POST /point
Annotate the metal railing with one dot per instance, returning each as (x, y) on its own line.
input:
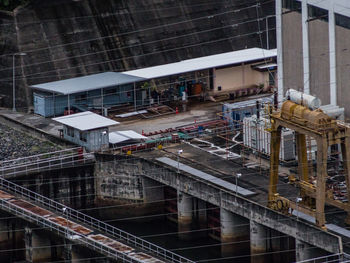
(44, 222)
(103, 227)
(45, 162)
(342, 257)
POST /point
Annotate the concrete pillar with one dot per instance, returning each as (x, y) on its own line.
(37, 247)
(306, 60)
(184, 214)
(258, 242)
(305, 251)
(332, 55)
(279, 49)
(234, 233)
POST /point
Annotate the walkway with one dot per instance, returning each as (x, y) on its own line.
(80, 228)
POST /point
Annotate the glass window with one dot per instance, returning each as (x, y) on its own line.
(70, 131)
(342, 21)
(292, 5)
(83, 136)
(317, 13)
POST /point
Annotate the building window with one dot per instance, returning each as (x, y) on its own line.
(342, 21)
(70, 131)
(292, 5)
(111, 91)
(317, 13)
(83, 136)
(80, 98)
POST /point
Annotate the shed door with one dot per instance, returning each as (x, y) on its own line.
(39, 105)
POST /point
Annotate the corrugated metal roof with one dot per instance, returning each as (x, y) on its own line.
(86, 83)
(84, 121)
(111, 79)
(220, 60)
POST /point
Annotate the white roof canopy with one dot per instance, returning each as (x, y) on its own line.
(121, 136)
(85, 121)
(220, 60)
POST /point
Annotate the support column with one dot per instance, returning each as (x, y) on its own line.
(184, 214)
(345, 147)
(306, 60)
(274, 162)
(258, 240)
(234, 233)
(38, 247)
(304, 251)
(279, 50)
(322, 154)
(332, 55)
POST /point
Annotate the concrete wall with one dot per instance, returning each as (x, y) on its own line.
(292, 51)
(319, 60)
(238, 77)
(343, 67)
(119, 181)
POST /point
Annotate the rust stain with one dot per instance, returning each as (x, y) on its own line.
(111, 243)
(4, 195)
(30, 207)
(71, 225)
(82, 230)
(143, 257)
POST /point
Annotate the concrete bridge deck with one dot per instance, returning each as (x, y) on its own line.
(252, 207)
(80, 228)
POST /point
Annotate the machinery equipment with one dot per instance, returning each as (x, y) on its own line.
(300, 113)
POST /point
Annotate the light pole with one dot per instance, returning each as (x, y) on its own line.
(179, 152)
(299, 199)
(13, 79)
(237, 176)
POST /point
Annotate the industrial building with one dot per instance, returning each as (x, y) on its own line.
(313, 49)
(239, 72)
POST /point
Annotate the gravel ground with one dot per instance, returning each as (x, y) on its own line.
(15, 144)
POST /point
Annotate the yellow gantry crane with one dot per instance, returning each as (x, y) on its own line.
(326, 132)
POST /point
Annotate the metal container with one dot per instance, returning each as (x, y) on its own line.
(303, 99)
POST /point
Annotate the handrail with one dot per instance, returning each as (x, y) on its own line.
(52, 163)
(39, 155)
(93, 222)
(65, 231)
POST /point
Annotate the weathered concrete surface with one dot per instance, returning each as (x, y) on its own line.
(70, 38)
(119, 183)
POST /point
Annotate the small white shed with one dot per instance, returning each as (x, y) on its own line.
(87, 129)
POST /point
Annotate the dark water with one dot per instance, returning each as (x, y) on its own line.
(197, 245)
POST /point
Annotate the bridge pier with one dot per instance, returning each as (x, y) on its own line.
(258, 241)
(184, 214)
(37, 247)
(11, 238)
(305, 251)
(234, 232)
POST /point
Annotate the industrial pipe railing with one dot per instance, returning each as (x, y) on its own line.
(93, 222)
